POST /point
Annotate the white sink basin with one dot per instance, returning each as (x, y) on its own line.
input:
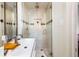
(25, 48)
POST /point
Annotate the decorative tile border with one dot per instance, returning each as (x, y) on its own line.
(43, 24)
(49, 21)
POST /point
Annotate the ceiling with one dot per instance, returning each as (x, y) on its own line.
(41, 4)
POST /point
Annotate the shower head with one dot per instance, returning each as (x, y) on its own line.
(37, 6)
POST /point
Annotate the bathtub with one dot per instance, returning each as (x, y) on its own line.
(26, 48)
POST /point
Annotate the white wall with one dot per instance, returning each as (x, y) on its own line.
(72, 17)
(64, 16)
(20, 17)
(59, 39)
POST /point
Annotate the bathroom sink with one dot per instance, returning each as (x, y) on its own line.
(24, 49)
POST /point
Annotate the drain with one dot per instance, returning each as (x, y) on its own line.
(42, 56)
(25, 47)
(41, 49)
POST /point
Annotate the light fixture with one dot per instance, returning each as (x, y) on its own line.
(37, 6)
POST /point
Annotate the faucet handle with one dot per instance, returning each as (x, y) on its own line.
(4, 38)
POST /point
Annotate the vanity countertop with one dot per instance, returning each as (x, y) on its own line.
(24, 49)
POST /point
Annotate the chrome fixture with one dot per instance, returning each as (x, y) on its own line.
(37, 6)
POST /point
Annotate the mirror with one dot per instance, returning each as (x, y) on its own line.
(10, 16)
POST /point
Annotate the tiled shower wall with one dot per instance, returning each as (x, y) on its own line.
(49, 30)
(42, 30)
(9, 20)
(34, 30)
(25, 31)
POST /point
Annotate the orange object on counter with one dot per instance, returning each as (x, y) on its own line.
(10, 46)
